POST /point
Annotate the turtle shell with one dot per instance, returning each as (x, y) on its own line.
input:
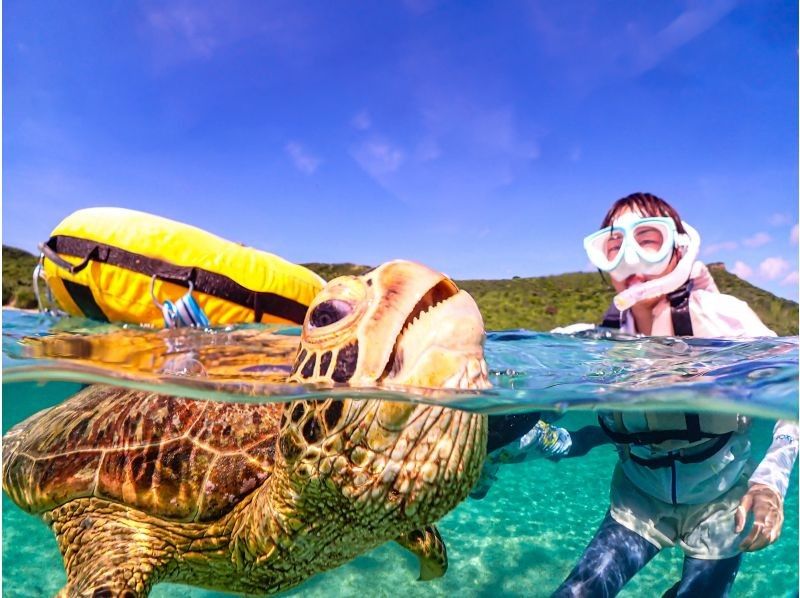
(177, 458)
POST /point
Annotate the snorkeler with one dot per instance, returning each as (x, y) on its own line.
(682, 479)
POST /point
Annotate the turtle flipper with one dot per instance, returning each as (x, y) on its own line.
(105, 555)
(427, 545)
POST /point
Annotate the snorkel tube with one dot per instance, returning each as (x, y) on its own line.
(690, 243)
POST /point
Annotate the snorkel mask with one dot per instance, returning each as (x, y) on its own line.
(643, 245)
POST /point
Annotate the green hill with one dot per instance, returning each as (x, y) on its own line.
(18, 268)
(544, 302)
(779, 314)
(331, 271)
(537, 303)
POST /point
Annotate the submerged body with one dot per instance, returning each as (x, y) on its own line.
(141, 488)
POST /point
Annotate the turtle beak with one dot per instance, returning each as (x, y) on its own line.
(441, 346)
(399, 292)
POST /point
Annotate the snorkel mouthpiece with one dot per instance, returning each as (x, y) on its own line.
(690, 242)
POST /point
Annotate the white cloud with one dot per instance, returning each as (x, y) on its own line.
(773, 267)
(757, 240)
(302, 159)
(379, 157)
(190, 25)
(496, 130)
(189, 30)
(742, 270)
(793, 235)
(427, 150)
(361, 121)
(589, 58)
(779, 219)
(790, 279)
(717, 247)
(686, 27)
(489, 133)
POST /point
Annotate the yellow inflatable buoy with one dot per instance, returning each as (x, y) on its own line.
(115, 264)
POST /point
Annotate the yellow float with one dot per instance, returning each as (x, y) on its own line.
(122, 265)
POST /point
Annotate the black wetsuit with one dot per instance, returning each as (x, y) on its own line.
(505, 429)
(616, 554)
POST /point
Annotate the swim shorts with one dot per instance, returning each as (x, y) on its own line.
(704, 531)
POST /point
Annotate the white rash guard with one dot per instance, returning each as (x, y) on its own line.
(713, 315)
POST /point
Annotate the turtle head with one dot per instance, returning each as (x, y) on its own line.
(400, 325)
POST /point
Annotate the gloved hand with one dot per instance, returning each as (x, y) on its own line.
(549, 440)
(767, 507)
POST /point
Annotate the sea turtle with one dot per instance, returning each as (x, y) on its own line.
(141, 488)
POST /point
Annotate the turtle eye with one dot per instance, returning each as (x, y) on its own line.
(328, 312)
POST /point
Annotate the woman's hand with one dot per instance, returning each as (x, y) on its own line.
(767, 507)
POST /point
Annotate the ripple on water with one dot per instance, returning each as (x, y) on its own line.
(527, 534)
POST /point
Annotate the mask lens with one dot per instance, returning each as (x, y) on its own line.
(603, 247)
(612, 244)
(652, 239)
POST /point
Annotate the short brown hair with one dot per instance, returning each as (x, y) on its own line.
(646, 204)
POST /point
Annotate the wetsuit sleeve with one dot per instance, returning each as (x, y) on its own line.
(586, 439)
(776, 467)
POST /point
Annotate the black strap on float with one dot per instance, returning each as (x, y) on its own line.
(679, 303)
(204, 281)
(51, 255)
(679, 456)
(83, 298)
(692, 433)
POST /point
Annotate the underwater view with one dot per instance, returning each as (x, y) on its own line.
(406, 298)
(524, 536)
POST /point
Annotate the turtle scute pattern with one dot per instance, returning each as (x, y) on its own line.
(178, 459)
(141, 488)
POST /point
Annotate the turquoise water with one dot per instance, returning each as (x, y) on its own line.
(526, 535)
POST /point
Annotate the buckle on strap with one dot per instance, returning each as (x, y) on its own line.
(680, 456)
(692, 433)
(183, 312)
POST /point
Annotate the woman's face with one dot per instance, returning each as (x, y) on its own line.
(634, 279)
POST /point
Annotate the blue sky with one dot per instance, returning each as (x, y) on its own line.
(484, 139)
